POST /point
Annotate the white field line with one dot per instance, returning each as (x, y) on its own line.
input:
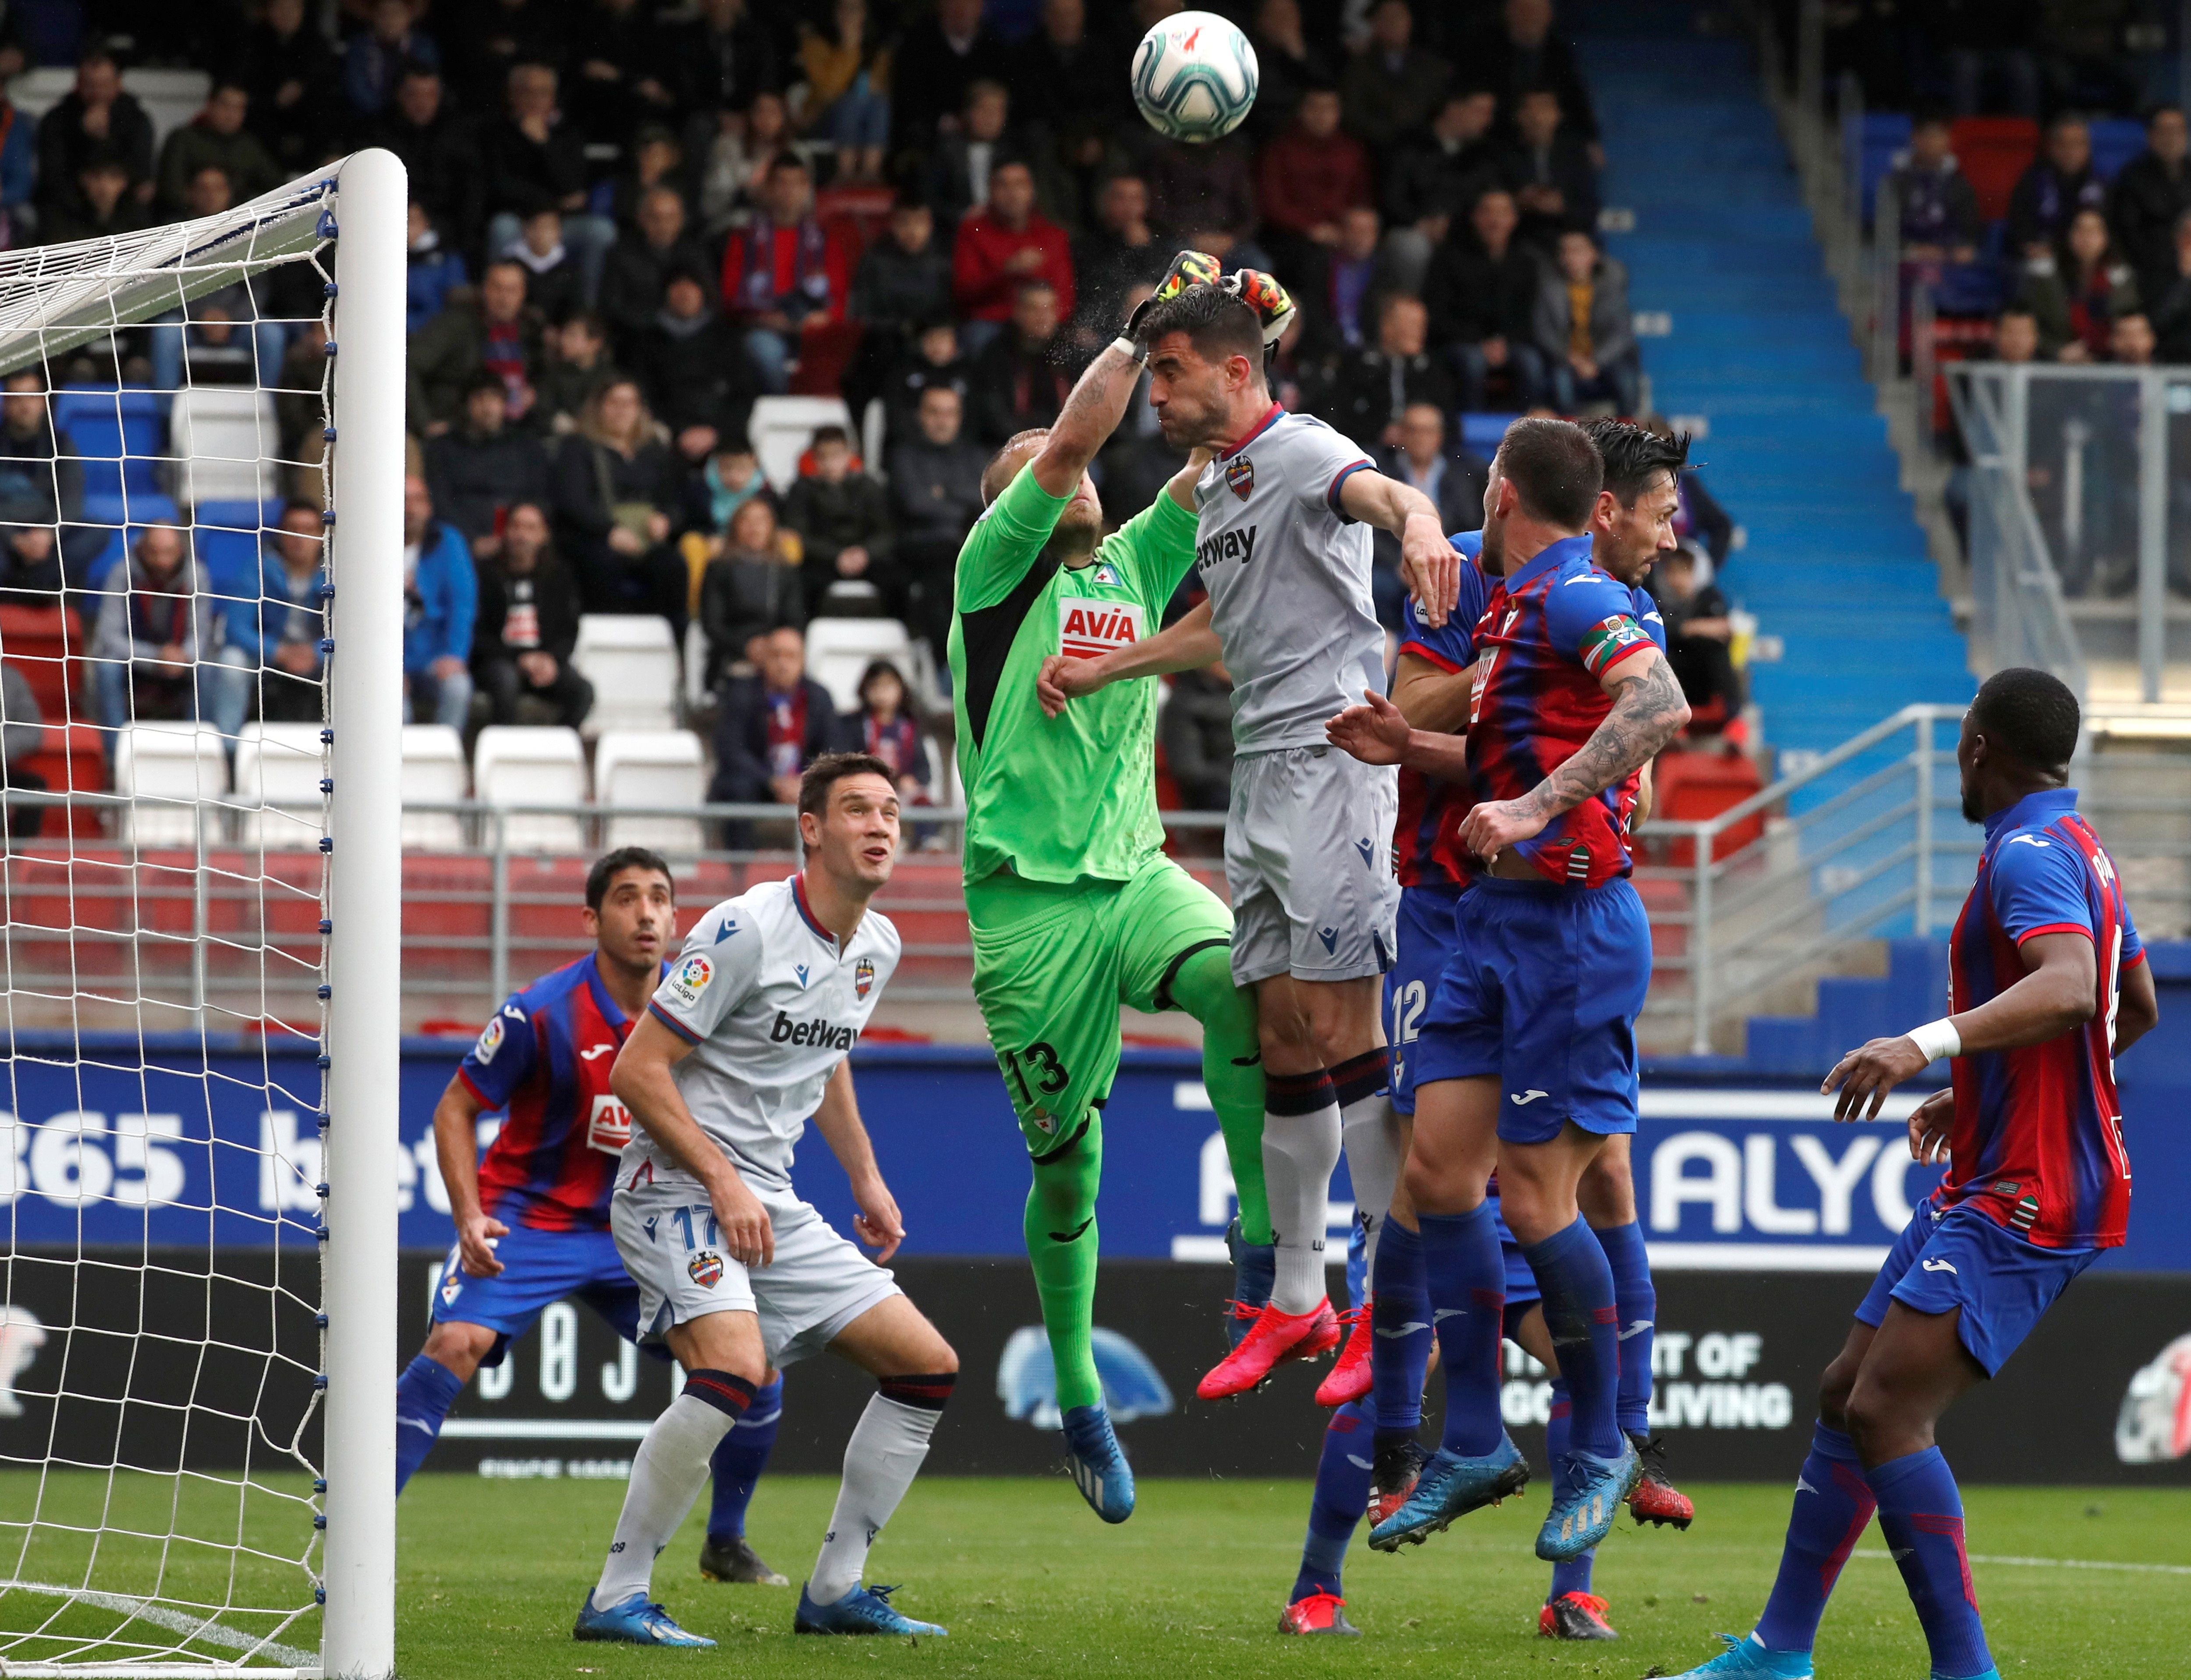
(205, 1629)
(2055, 1563)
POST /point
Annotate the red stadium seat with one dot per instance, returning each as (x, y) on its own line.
(824, 354)
(1992, 152)
(1695, 787)
(72, 761)
(39, 641)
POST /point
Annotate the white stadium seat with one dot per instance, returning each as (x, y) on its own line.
(650, 768)
(631, 660)
(782, 426)
(226, 440)
(839, 650)
(175, 775)
(434, 774)
(514, 764)
(278, 769)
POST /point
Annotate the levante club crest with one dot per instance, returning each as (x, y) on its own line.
(863, 975)
(1240, 473)
(706, 1267)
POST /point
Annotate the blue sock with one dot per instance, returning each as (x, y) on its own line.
(1466, 1279)
(1400, 1314)
(1342, 1495)
(740, 1457)
(1574, 1575)
(1921, 1517)
(1585, 1323)
(424, 1394)
(1638, 1303)
(1833, 1504)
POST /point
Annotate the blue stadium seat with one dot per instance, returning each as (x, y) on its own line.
(2115, 141)
(119, 434)
(132, 507)
(1869, 145)
(1482, 434)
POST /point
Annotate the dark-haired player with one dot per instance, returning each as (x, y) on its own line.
(2048, 985)
(533, 1216)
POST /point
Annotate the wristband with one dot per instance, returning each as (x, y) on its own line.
(1131, 351)
(1936, 1038)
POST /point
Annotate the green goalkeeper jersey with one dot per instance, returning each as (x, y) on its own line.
(1058, 799)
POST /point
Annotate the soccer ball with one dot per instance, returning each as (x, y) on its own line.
(1194, 78)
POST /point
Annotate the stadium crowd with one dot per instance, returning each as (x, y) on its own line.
(631, 222)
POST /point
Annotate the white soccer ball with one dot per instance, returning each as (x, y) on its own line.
(1194, 78)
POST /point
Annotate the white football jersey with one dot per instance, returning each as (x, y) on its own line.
(770, 1006)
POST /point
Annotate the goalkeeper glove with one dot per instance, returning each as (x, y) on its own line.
(1262, 293)
(1188, 268)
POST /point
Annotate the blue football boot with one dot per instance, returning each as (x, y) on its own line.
(1098, 1464)
(1452, 1486)
(864, 1609)
(1254, 1273)
(1745, 1659)
(635, 1622)
(1596, 1488)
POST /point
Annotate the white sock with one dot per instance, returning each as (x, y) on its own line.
(880, 1462)
(1298, 1153)
(666, 1477)
(1370, 1129)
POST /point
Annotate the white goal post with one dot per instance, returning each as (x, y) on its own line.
(197, 1346)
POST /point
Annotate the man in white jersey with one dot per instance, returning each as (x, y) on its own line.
(1283, 546)
(745, 1039)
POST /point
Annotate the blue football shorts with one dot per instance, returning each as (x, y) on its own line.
(1960, 1258)
(1424, 942)
(1542, 991)
(538, 1269)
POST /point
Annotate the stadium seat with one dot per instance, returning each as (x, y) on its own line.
(839, 650)
(39, 641)
(1869, 145)
(132, 507)
(120, 435)
(1483, 434)
(434, 774)
(73, 761)
(781, 427)
(696, 665)
(650, 767)
(2115, 141)
(278, 769)
(514, 764)
(36, 92)
(631, 660)
(180, 772)
(1992, 152)
(171, 98)
(224, 441)
(1695, 787)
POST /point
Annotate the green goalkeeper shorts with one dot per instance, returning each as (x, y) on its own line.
(1051, 966)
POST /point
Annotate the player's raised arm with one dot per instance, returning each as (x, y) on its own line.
(1428, 561)
(878, 1223)
(1187, 644)
(645, 1081)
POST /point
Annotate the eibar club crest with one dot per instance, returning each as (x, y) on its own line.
(863, 975)
(1240, 473)
(706, 1267)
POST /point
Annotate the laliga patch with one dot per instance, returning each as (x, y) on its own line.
(689, 979)
(608, 1128)
(489, 1042)
(1240, 473)
(863, 975)
(706, 1267)
(1088, 629)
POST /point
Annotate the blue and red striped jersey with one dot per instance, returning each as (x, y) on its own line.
(2037, 1140)
(1425, 840)
(545, 1060)
(1551, 630)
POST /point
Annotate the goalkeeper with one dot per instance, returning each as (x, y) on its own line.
(1074, 908)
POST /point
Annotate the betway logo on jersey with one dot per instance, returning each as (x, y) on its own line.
(1088, 629)
(825, 1033)
(1235, 545)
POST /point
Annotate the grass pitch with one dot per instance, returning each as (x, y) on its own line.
(1032, 1585)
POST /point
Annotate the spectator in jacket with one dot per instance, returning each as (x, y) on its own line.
(95, 119)
(1431, 183)
(1451, 477)
(22, 737)
(42, 548)
(842, 516)
(495, 332)
(155, 624)
(639, 266)
(1583, 329)
(935, 361)
(782, 274)
(623, 75)
(216, 136)
(535, 161)
(1700, 636)
(958, 167)
(528, 624)
(731, 478)
(375, 55)
(2058, 183)
(2170, 312)
(19, 173)
(275, 640)
(751, 587)
(1520, 53)
(101, 207)
(1022, 379)
(887, 724)
(1338, 303)
(694, 367)
(904, 279)
(935, 59)
(2149, 198)
(2131, 341)
(440, 607)
(772, 725)
(438, 153)
(1068, 65)
(432, 270)
(935, 496)
(1373, 386)
(739, 156)
(1549, 172)
(616, 480)
(1203, 197)
(483, 466)
(1007, 245)
(1308, 177)
(2080, 290)
(292, 74)
(553, 283)
(1119, 253)
(1940, 208)
(577, 367)
(1391, 86)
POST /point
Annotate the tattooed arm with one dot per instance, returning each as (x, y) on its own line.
(1648, 712)
(1090, 414)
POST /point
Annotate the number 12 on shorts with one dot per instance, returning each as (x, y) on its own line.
(1408, 1003)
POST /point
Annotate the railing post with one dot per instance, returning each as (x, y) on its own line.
(2152, 531)
(498, 917)
(1924, 847)
(1700, 943)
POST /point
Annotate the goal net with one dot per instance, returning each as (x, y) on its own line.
(201, 457)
